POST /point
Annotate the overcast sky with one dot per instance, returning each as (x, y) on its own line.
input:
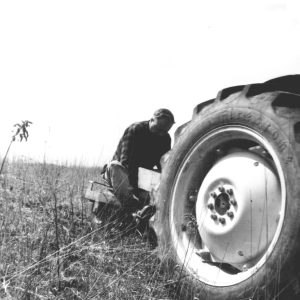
(82, 71)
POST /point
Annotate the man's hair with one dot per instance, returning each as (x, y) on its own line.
(164, 113)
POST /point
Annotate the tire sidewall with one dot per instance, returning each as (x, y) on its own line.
(282, 260)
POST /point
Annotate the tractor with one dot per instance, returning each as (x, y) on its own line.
(228, 198)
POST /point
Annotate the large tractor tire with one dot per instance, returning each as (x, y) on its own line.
(228, 205)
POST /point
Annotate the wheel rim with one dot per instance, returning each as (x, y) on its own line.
(209, 240)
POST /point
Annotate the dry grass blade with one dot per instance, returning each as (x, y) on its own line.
(49, 249)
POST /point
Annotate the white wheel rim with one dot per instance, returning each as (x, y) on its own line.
(187, 249)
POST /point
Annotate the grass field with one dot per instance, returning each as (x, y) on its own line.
(49, 248)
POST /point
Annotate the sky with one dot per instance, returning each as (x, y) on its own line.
(82, 71)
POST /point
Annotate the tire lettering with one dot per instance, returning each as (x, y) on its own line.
(288, 160)
(225, 114)
(267, 126)
(239, 115)
(275, 135)
(264, 126)
(282, 146)
(248, 116)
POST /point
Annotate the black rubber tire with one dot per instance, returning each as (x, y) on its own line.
(276, 116)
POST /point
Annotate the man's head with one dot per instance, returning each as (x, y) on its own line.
(161, 122)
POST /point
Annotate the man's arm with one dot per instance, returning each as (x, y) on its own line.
(127, 144)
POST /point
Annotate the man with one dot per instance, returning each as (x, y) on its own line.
(142, 145)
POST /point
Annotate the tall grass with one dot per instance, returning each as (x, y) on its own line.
(49, 248)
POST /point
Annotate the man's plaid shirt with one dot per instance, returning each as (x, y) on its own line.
(139, 147)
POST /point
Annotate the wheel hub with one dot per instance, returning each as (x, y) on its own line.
(237, 208)
(222, 203)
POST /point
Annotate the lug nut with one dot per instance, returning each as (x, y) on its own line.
(220, 152)
(221, 189)
(222, 220)
(210, 206)
(245, 268)
(256, 163)
(230, 214)
(230, 192)
(193, 198)
(214, 195)
(214, 217)
(233, 202)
